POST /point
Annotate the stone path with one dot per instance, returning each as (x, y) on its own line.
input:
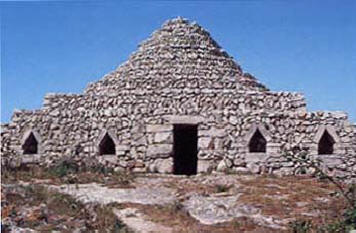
(198, 195)
(137, 222)
(94, 192)
(212, 210)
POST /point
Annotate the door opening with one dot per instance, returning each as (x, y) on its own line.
(185, 157)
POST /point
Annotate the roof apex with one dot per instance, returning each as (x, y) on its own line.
(181, 54)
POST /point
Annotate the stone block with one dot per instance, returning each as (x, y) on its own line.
(204, 166)
(239, 162)
(284, 171)
(140, 141)
(203, 142)
(158, 149)
(287, 164)
(222, 166)
(159, 128)
(119, 169)
(212, 133)
(233, 120)
(54, 113)
(253, 168)
(34, 158)
(164, 166)
(120, 153)
(122, 148)
(108, 158)
(273, 148)
(228, 162)
(163, 137)
(255, 157)
(241, 170)
(139, 169)
(174, 119)
(330, 160)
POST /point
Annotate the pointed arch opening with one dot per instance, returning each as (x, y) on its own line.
(258, 143)
(107, 146)
(30, 145)
(326, 144)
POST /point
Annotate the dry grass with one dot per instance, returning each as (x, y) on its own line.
(299, 196)
(287, 197)
(35, 174)
(41, 209)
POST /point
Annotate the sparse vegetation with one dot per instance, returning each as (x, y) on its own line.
(43, 209)
(346, 191)
(37, 207)
(174, 207)
(222, 188)
(300, 226)
(67, 171)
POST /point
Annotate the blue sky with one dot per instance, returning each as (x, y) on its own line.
(304, 46)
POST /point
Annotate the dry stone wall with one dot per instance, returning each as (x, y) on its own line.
(180, 76)
(177, 56)
(142, 128)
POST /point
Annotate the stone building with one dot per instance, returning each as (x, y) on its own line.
(181, 105)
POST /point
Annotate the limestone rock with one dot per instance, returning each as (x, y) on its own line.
(156, 150)
(164, 166)
(222, 167)
(204, 166)
(162, 137)
(253, 168)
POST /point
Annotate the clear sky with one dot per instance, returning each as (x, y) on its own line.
(304, 46)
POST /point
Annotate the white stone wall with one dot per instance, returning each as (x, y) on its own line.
(141, 126)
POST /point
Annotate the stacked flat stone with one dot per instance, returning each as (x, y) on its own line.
(179, 56)
(179, 76)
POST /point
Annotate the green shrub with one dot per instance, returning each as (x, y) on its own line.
(64, 167)
(300, 226)
(221, 188)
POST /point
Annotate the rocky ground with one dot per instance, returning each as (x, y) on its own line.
(166, 203)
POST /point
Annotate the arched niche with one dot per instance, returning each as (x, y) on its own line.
(326, 144)
(258, 140)
(326, 141)
(257, 143)
(107, 143)
(31, 143)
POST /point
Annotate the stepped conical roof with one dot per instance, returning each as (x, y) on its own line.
(180, 55)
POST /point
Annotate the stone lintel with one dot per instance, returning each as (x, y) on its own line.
(155, 128)
(174, 119)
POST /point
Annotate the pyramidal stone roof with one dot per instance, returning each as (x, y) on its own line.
(180, 55)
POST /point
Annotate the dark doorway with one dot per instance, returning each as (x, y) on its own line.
(326, 144)
(31, 145)
(185, 149)
(107, 146)
(257, 143)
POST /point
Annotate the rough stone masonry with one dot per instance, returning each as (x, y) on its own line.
(181, 105)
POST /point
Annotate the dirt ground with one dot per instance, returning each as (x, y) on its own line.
(167, 203)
